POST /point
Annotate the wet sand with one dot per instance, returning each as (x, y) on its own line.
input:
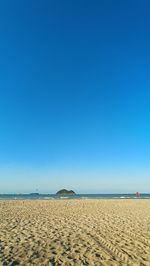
(75, 232)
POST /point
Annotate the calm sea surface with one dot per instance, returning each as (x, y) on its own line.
(78, 196)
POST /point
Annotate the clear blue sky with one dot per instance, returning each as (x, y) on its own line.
(74, 95)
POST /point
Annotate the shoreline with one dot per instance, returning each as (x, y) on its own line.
(71, 198)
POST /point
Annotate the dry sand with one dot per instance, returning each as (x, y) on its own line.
(75, 232)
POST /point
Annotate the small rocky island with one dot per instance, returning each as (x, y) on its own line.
(64, 192)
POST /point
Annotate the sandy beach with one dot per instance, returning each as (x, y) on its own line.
(75, 232)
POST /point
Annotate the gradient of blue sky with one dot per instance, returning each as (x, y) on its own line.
(74, 95)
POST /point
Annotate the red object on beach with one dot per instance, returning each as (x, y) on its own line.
(137, 194)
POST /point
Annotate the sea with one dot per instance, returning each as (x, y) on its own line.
(37, 196)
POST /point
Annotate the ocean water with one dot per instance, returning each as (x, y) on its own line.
(77, 196)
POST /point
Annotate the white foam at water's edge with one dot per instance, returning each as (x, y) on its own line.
(49, 198)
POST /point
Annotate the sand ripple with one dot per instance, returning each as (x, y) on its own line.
(75, 232)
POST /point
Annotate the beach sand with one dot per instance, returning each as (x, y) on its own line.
(75, 232)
